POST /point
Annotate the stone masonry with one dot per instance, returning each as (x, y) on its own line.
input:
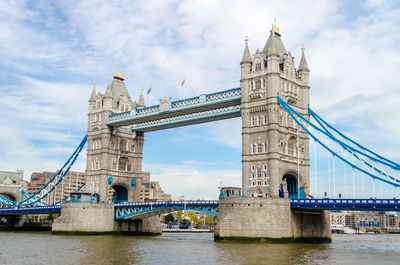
(272, 146)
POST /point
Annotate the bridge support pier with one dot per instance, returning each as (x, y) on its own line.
(148, 226)
(85, 218)
(14, 221)
(269, 219)
(98, 218)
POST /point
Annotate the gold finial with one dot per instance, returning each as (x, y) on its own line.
(302, 48)
(94, 84)
(118, 74)
(246, 39)
(275, 27)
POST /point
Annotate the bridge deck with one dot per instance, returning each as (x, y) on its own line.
(30, 210)
(204, 108)
(123, 210)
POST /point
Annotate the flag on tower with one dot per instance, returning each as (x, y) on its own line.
(148, 91)
(183, 82)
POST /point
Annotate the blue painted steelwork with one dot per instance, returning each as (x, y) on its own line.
(347, 204)
(293, 113)
(110, 179)
(49, 186)
(41, 204)
(177, 108)
(30, 210)
(126, 210)
(191, 117)
(56, 179)
(318, 118)
(133, 182)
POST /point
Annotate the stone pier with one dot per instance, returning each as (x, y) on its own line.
(98, 218)
(270, 219)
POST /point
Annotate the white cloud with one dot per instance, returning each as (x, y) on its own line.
(193, 180)
(52, 53)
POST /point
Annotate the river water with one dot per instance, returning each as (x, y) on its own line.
(182, 248)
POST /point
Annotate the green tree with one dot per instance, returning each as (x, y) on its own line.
(50, 218)
(193, 218)
(169, 219)
(179, 217)
(211, 221)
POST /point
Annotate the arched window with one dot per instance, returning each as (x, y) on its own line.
(123, 145)
(265, 119)
(264, 82)
(252, 121)
(258, 84)
(259, 173)
(260, 146)
(258, 120)
(265, 147)
(255, 148)
(252, 148)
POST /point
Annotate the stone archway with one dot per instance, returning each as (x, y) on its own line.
(120, 194)
(292, 185)
(9, 196)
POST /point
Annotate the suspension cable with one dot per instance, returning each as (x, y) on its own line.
(315, 171)
(334, 176)
(345, 180)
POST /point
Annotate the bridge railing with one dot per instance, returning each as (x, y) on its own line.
(347, 201)
(167, 203)
(205, 99)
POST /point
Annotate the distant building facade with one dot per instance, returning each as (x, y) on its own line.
(70, 183)
(365, 221)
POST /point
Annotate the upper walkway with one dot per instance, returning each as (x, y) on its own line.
(169, 114)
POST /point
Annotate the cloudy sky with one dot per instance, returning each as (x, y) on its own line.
(52, 51)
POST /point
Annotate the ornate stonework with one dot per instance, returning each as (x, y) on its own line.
(272, 147)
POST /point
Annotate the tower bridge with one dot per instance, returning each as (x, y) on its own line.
(275, 200)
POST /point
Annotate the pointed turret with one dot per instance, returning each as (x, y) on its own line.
(140, 103)
(93, 95)
(246, 54)
(108, 93)
(304, 71)
(303, 66)
(272, 48)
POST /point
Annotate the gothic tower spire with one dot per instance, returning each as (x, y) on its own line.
(246, 54)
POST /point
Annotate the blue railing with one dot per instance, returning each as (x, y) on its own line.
(347, 204)
(205, 99)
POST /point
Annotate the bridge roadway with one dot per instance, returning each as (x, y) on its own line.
(140, 210)
(169, 114)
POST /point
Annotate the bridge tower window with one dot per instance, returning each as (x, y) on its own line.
(260, 146)
(258, 84)
(123, 145)
(122, 166)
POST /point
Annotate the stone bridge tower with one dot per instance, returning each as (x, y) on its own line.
(114, 155)
(275, 154)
